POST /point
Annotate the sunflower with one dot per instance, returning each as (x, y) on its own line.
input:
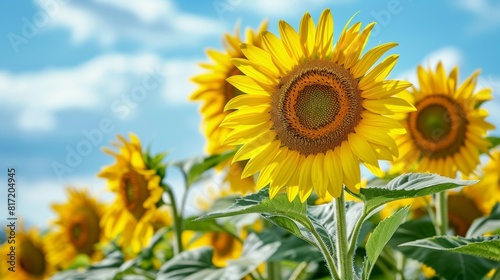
(31, 260)
(137, 189)
(310, 107)
(446, 133)
(214, 92)
(486, 193)
(78, 230)
(225, 245)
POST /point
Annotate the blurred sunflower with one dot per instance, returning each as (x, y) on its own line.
(446, 133)
(312, 107)
(214, 92)
(77, 229)
(137, 187)
(486, 193)
(32, 262)
(226, 246)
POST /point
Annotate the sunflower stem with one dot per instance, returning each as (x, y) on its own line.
(324, 250)
(442, 212)
(344, 263)
(177, 220)
(274, 270)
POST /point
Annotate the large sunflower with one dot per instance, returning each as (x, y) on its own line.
(31, 260)
(446, 133)
(313, 112)
(214, 92)
(137, 187)
(77, 229)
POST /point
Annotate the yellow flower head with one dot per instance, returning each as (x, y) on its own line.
(225, 246)
(31, 259)
(214, 92)
(311, 106)
(77, 229)
(446, 133)
(137, 189)
(486, 193)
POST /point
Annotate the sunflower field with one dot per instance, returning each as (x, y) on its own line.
(291, 119)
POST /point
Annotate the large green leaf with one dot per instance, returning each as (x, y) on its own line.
(483, 225)
(408, 185)
(191, 265)
(194, 168)
(487, 247)
(379, 238)
(447, 264)
(261, 203)
(197, 264)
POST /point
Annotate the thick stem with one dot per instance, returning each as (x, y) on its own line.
(442, 212)
(326, 254)
(274, 270)
(344, 261)
(177, 220)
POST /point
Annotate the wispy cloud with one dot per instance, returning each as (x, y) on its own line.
(107, 81)
(449, 56)
(485, 12)
(148, 23)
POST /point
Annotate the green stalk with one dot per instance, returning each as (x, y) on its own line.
(274, 270)
(177, 220)
(442, 212)
(343, 258)
(324, 250)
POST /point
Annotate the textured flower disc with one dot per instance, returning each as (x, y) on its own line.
(313, 111)
(138, 190)
(446, 133)
(76, 229)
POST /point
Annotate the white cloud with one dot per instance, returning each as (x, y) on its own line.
(485, 11)
(449, 56)
(276, 7)
(152, 23)
(37, 97)
(33, 202)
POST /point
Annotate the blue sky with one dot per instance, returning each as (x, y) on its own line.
(69, 69)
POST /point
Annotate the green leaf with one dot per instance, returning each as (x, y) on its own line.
(194, 168)
(447, 264)
(487, 247)
(99, 274)
(261, 203)
(197, 264)
(494, 141)
(191, 265)
(379, 238)
(483, 225)
(80, 261)
(408, 185)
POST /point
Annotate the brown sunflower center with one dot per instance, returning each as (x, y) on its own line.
(32, 259)
(316, 106)
(462, 211)
(134, 191)
(438, 126)
(222, 243)
(230, 91)
(84, 230)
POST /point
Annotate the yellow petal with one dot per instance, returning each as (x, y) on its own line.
(278, 52)
(307, 35)
(333, 168)
(379, 72)
(258, 55)
(362, 149)
(249, 85)
(368, 59)
(350, 165)
(291, 40)
(324, 34)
